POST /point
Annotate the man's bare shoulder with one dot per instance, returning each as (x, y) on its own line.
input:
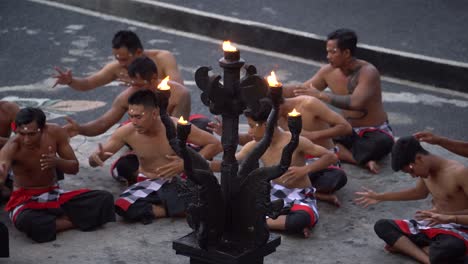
(8, 108)
(113, 66)
(177, 87)
(55, 131)
(158, 54)
(368, 68)
(125, 130)
(311, 105)
(122, 98)
(459, 170)
(326, 69)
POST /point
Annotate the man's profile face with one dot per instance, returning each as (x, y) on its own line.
(334, 54)
(123, 56)
(29, 134)
(256, 130)
(417, 168)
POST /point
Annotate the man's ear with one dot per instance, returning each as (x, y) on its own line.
(347, 53)
(138, 52)
(418, 158)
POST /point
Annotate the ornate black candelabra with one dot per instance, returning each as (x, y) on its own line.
(229, 219)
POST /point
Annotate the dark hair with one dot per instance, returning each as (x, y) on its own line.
(143, 66)
(127, 39)
(29, 114)
(144, 97)
(404, 152)
(345, 39)
(262, 112)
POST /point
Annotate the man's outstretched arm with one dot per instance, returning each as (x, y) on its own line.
(456, 146)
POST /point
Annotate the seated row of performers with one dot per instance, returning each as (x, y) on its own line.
(39, 152)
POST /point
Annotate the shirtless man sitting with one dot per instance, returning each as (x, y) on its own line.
(446, 181)
(144, 74)
(8, 112)
(356, 89)
(320, 125)
(37, 206)
(154, 195)
(294, 183)
(126, 46)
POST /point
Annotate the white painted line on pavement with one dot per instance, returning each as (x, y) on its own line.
(243, 47)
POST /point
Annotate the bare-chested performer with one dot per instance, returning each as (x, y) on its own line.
(456, 146)
(319, 124)
(126, 47)
(154, 195)
(37, 206)
(294, 183)
(143, 72)
(356, 89)
(447, 182)
(8, 112)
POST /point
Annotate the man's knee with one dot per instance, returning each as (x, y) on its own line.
(39, 227)
(296, 221)
(387, 230)
(329, 180)
(137, 212)
(127, 168)
(372, 146)
(446, 249)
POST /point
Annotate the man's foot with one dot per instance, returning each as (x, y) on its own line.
(329, 198)
(373, 167)
(391, 249)
(306, 232)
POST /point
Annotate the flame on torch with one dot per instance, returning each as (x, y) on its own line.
(228, 47)
(163, 84)
(182, 121)
(294, 113)
(272, 81)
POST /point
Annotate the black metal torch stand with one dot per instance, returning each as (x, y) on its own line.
(229, 220)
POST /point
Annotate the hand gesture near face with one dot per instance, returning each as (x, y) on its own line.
(64, 78)
(367, 197)
(100, 155)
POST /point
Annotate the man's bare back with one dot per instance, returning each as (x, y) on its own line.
(319, 123)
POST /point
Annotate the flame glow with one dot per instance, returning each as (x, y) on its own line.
(163, 84)
(228, 47)
(272, 81)
(294, 113)
(182, 121)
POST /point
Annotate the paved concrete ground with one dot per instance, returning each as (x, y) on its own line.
(36, 37)
(431, 28)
